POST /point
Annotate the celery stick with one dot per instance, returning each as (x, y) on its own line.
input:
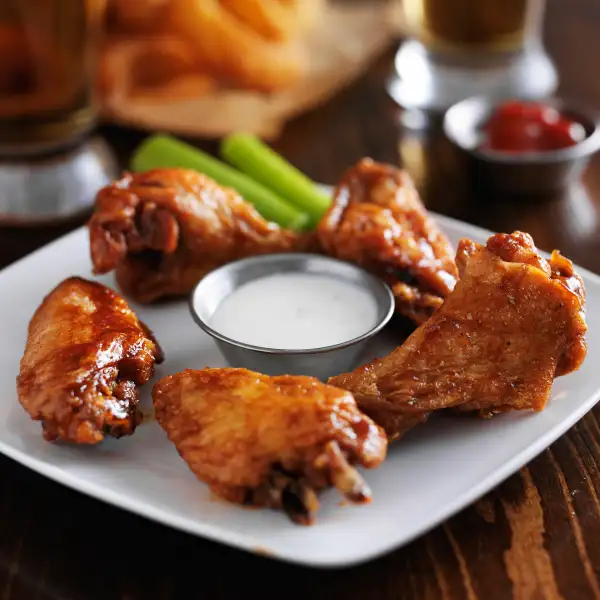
(162, 151)
(263, 164)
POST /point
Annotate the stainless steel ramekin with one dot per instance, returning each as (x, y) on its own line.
(531, 173)
(318, 362)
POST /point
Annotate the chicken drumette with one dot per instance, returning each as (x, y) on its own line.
(86, 354)
(269, 441)
(378, 221)
(513, 323)
(163, 230)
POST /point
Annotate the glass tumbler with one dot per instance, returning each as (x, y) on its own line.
(49, 167)
(461, 48)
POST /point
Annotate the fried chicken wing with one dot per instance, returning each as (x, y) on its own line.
(86, 354)
(269, 441)
(513, 323)
(165, 229)
(378, 221)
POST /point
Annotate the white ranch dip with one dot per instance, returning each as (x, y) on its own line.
(295, 311)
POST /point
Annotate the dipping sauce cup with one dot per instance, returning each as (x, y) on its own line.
(321, 361)
(526, 173)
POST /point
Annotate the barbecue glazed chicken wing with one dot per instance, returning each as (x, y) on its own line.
(377, 221)
(86, 354)
(513, 323)
(269, 441)
(163, 230)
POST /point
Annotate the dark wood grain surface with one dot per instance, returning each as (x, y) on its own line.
(535, 536)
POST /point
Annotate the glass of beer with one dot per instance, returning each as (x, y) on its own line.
(460, 48)
(48, 52)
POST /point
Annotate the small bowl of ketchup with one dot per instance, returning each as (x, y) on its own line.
(524, 146)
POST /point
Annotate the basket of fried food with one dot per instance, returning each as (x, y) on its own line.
(209, 67)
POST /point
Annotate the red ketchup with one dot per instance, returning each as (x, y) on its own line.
(521, 127)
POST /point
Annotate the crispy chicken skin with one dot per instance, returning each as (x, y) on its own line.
(86, 354)
(163, 230)
(377, 221)
(269, 441)
(513, 323)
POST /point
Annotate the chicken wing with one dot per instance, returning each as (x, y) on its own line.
(513, 323)
(378, 221)
(86, 354)
(268, 441)
(165, 229)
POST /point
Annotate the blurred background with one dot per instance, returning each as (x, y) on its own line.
(325, 82)
(196, 67)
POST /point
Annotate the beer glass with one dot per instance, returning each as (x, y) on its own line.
(460, 48)
(48, 52)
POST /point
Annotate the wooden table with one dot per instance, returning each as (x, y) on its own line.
(535, 536)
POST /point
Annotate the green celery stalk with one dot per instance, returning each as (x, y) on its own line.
(262, 163)
(163, 151)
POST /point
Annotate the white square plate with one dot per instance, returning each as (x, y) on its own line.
(434, 472)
